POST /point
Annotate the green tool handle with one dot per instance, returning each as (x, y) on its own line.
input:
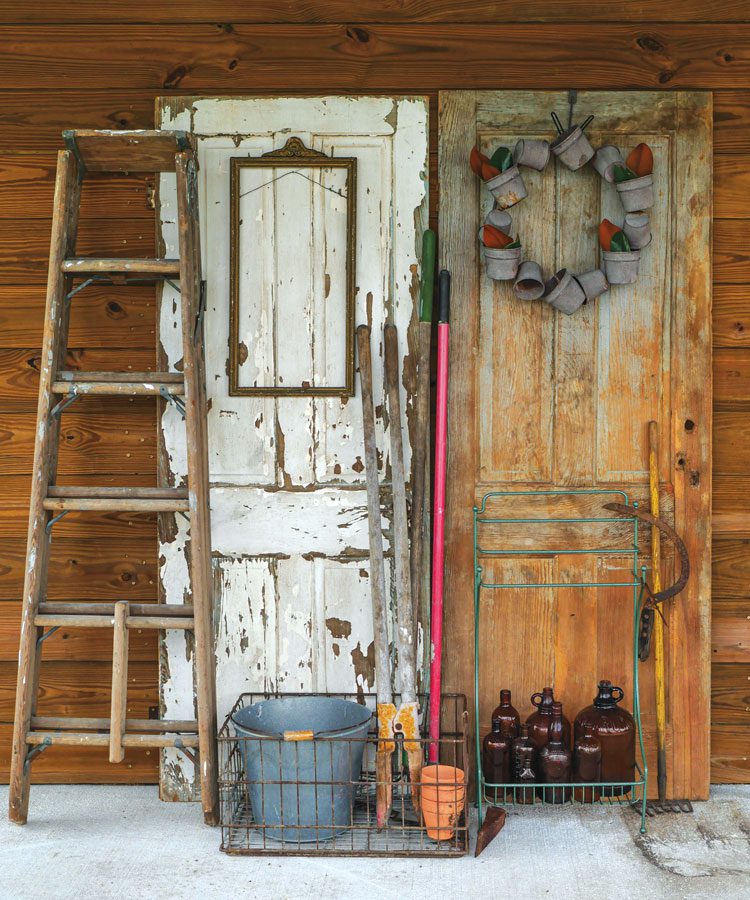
(427, 287)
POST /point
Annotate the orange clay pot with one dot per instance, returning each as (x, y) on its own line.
(442, 797)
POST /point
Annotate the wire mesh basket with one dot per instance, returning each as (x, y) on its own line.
(243, 800)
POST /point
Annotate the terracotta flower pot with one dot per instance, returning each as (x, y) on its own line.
(499, 218)
(564, 292)
(507, 188)
(593, 283)
(605, 159)
(621, 268)
(502, 265)
(573, 148)
(636, 193)
(529, 283)
(442, 798)
(531, 153)
(637, 230)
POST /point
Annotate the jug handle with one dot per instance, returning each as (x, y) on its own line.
(620, 691)
(535, 702)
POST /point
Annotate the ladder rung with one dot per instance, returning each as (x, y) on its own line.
(94, 739)
(43, 620)
(60, 608)
(127, 151)
(91, 724)
(118, 383)
(128, 267)
(127, 499)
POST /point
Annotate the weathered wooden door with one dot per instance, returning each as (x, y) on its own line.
(540, 400)
(288, 500)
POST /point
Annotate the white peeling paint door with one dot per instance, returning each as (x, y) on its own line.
(288, 500)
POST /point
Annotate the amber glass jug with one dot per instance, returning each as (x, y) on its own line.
(615, 729)
(522, 762)
(540, 720)
(587, 764)
(555, 761)
(506, 713)
(496, 758)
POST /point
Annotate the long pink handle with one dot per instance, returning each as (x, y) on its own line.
(438, 533)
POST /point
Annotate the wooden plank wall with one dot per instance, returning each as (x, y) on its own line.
(94, 65)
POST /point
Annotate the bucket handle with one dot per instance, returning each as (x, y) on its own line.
(298, 735)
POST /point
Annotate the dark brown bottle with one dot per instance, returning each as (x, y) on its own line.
(496, 759)
(555, 761)
(539, 721)
(507, 714)
(615, 729)
(522, 757)
(587, 764)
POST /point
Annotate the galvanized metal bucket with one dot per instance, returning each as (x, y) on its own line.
(573, 148)
(507, 188)
(303, 758)
(636, 194)
(502, 265)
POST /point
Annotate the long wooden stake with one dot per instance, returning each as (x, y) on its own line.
(119, 703)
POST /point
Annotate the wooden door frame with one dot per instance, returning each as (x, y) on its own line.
(688, 117)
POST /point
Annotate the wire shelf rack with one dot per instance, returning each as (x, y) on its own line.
(616, 794)
(405, 834)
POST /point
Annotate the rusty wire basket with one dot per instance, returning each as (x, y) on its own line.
(405, 833)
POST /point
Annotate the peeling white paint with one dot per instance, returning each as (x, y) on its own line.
(288, 500)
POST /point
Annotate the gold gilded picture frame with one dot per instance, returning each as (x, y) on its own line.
(294, 155)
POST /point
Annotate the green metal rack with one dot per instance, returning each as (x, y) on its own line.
(629, 793)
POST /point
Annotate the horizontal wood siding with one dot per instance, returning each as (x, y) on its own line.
(94, 65)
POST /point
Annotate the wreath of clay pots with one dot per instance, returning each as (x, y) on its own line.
(620, 245)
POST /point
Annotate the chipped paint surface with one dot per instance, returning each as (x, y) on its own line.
(288, 500)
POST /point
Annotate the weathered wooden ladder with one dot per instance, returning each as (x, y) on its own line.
(118, 152)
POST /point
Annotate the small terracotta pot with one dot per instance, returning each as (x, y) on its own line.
(637, 230)
(604, 161)
(573, 148)
(502, 265)
(499, 218)
(529, 284)
(593, 283)
(531, 153)
(442, 798)
(564, 292)
(637, 193)
(621, 268)
(507, 188)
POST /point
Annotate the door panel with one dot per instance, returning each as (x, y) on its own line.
(551, 401)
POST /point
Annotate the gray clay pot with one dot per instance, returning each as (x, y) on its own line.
(593, 283)
(604, 161)
(529, 284)
(637, 193)
(507, 188)
(573, 148)
(502, 265)
(637, 230)
(499, 218)
(621, 268)
(564, 292)
(531, 153)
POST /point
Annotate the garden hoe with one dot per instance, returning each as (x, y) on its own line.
(402, 721)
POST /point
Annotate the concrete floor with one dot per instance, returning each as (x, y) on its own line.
(85, 841)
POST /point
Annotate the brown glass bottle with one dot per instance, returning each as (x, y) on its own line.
(522, 758)
(507, 714)
(496, 759)
(539, 721)
(587, 764)
(615, 729)
(555, 761)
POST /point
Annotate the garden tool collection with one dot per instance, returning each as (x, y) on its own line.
(401, 721)
(652, 618)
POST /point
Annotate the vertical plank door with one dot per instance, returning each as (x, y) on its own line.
(288, 497)
(540, 400)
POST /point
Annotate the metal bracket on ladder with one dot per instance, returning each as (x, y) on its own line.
(200, 313)
(63, 404)
(177, 402)
(54, 519)
(47, 634)
(35, 751)
(70, 142)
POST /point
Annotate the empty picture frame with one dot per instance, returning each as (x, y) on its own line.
(292, 265)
